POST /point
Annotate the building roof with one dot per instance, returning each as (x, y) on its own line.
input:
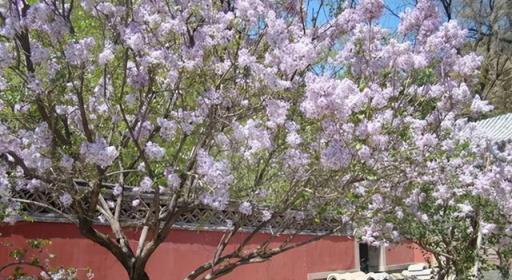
(498, 129)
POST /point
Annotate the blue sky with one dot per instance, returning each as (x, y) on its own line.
(389, 20)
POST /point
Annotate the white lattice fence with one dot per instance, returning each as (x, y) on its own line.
(200, 217)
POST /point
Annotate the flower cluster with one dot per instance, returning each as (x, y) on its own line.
(216, 175)
(99, 153)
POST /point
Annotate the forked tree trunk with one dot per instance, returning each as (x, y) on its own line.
(139, 275)
(134, 271)
(133, 267)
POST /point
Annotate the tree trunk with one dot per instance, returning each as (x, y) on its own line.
(442, 274)
(139, 275)
(135, 268)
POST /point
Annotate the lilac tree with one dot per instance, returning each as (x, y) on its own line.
(455, 204)
(451, 195)
(264, 106)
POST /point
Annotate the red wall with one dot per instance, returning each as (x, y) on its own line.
(404, 253)
(181, 252)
